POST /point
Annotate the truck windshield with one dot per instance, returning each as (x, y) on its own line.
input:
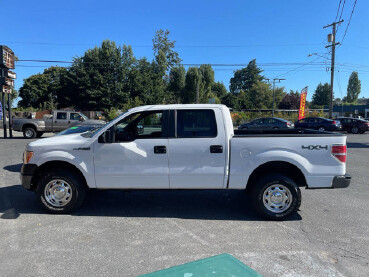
(91, 133)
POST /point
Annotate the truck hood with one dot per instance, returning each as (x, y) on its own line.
(67, 142)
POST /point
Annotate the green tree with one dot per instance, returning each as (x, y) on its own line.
(245, 78)
(164, 54)
(34, 91)
(321, 95)
(353, 87)
(260, 96)
(193, 78)
(177, 81)
(99, 77)
(219, 89)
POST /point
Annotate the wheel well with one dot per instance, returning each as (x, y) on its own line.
(28, 125)
(285, 168)
(55, 165)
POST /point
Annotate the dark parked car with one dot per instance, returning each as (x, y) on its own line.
(354, 125)
(80, 129)
(266, 123)
(319, 123)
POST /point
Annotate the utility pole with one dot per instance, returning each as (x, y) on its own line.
(332, 38)
(274, 80)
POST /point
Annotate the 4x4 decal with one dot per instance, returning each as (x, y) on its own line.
(314, 147)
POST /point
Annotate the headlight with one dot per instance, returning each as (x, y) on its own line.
(27, 155)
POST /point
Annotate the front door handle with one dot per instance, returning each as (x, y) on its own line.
(55, 121)
(216, 149)
(160, 149)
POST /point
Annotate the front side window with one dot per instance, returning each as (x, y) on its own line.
(75, 116)
(196, 123)
(61, 116)
(141, 125)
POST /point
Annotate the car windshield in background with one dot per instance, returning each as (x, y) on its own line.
(79, 129)
(92, 132)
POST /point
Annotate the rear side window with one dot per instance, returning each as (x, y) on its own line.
(61, 116)
(196, 123)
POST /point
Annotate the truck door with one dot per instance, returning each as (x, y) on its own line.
(74, 119)
(197, 149)
(60, 121)
(138, 156)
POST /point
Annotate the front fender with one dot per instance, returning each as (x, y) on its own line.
(84, 163)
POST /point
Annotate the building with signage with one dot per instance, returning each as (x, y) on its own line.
(350, 110)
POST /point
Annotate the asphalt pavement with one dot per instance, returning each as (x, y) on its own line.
(128, 233)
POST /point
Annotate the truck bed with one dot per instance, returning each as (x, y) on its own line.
(284, 133)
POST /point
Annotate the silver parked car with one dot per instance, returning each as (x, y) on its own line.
(267, 123)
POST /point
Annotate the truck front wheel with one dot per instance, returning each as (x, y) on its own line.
(276, 197)
(60, 191)
(29, 133)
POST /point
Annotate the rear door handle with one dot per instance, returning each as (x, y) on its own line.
(216, 149)
(160, 149)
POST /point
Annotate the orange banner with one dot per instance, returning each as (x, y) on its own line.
(302, 103)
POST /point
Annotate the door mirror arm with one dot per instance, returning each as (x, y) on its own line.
(106, 137)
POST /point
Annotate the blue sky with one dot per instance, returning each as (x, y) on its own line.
(215, 32)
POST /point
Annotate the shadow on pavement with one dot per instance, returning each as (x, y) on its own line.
(186, 204)
(13, 167)
(357, 145)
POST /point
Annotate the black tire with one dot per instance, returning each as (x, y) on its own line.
(29, 133)
(76, 189)
(244, 128)
(39, 134)
(275, 128)
(273, 179)
(321, 128)
(355, 130)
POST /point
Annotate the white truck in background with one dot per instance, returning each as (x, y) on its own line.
(185, 147)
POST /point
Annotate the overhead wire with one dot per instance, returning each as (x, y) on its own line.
(348, 24)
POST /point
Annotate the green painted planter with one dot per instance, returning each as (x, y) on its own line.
(223, 265)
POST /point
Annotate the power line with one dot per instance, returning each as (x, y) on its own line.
(297, 68)
(348, 24)
(343, 6)
(177, 46)
(339, 5)
(184, 64)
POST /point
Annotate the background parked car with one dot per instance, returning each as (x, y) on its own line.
(319, 123)
(354, 125)
(267, 123)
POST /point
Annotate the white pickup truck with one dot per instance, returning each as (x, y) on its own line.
(185, 147)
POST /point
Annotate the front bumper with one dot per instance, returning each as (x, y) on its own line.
(26, 175)
(341, 181)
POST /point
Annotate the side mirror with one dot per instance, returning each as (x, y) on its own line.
(140, 129)
(106, 137)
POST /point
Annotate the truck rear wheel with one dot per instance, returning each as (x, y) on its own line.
(276, 197)
(60, 191)
(29, 132)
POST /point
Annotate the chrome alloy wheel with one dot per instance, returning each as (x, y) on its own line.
(29, 133)
(58, 193)
(277, 198)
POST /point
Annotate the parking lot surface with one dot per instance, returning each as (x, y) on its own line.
(128, 233)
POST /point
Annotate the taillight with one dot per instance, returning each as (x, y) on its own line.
(339, 152)
(334, 122)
